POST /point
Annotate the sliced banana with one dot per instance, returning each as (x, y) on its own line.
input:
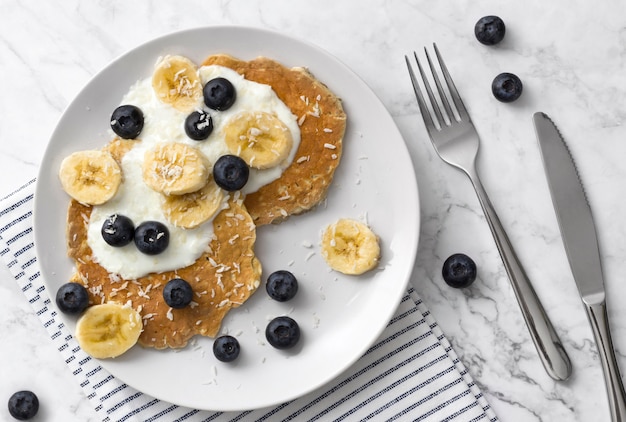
(175, 169)
(260, 138)
(108, 330)
(90, 177)
(350, 247)
(192, 209)
(175, 81)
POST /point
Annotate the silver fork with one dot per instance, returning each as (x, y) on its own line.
(456, 141)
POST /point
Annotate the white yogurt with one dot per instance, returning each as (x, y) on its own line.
(163, 123)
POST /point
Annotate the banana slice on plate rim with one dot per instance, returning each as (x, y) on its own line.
(350, 247)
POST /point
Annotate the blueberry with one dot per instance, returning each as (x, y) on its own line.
(506, 87)
(281, 285)
(230, 172)
(177, 293)
(198, 125)
(226, 348)
(152, 237)
(23, 405)
(219, 94)
(127, 121)
(72, 298)
(282, 332)
(489, 30)
(459, 270)
(118, 230)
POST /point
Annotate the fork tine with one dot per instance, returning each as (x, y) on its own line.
(442, 94)
(458, 102)
(428, 121)
(429, 91)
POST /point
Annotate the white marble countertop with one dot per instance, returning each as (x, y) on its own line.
(571, 57)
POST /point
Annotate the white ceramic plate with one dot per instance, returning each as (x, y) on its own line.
(340, 316)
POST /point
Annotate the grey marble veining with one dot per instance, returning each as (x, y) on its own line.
(571, 57)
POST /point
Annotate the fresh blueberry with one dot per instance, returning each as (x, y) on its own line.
(282, 332)
(177, 293)
(219, 94)
(489, 30)
(72, 298)
(459, 270)
(118, 230)
(226, 348)
(127, 121)
(198, 125)
(152, 237)
(281, 285)
(23, 405)
(230, 172)
(506, 87)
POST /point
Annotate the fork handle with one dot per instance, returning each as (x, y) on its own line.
(551, 351)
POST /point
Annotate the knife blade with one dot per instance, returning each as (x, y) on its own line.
(580, 239)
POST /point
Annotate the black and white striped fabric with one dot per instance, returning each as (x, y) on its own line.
(410, 373)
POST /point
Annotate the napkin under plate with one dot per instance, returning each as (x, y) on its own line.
(410, 373)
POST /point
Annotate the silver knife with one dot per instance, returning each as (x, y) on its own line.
(581, 245)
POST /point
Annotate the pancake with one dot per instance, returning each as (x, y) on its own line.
(322, 120)
(222, 279)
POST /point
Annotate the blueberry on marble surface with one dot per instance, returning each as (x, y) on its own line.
(489, 30)
(23, 405)
(152, 237)
(506, 87)
(230, 172)
(118, 230)
(282, 332)
(219, 94)
(226, 348)
(177, 293)
(72, 298)
(127, 121)
(281, 285)
(459, 270)
(198, 125)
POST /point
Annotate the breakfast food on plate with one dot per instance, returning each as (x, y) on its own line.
(226, 348)
(162, 221)
(90, 177)
(350, 247)
(107, 330)
(322, 120)
(175, 81)
(282, 332)
(173, 168)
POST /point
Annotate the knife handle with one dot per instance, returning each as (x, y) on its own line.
(615, 388)
(550, 349)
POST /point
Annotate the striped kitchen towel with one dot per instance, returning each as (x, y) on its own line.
(410, 373)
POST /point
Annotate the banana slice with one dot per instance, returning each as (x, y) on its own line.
(192, 209)
(350, 247)
(90, 177)
(261, 139)
(108, 330)
(175, 81)
(175, 169)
